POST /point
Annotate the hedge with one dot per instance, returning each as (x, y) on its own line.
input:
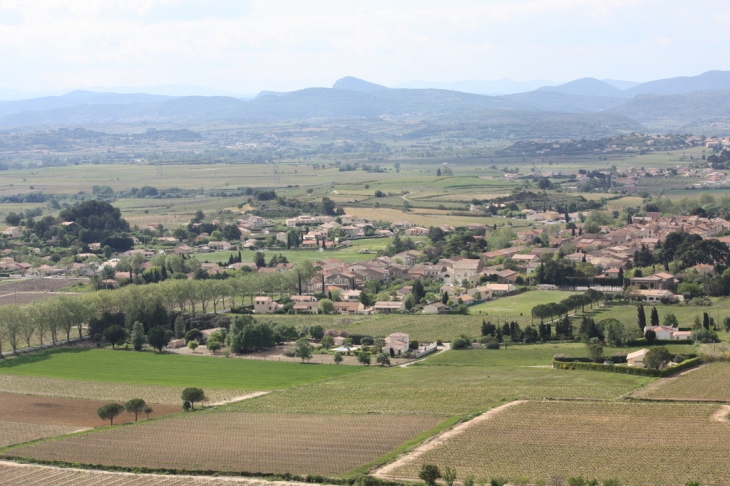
(628, 370)
(658, 342)
(615, 359)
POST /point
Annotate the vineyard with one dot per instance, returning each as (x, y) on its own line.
(627, 441)
(92, 390)
(233, 441)
(19, 432)
(30, 475)
(708, 382)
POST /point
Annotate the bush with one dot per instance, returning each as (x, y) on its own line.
(627, 370)
(460, 343)
(429, 474)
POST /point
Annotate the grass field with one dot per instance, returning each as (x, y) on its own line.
(234, 441)
(544, 440)
(147, 368)
(708, 382)
(520, 304)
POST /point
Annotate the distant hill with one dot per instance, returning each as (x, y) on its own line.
(620, 84)
(585, 87)
(76, 98)
(494, 88)
(686, 108)
(711, 80)
(355, 84)
(563, 102)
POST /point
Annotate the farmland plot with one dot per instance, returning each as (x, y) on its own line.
(93, 390)
(708, 382)
(233, 441)
(19, 432)
(540, 440)
(31, 474)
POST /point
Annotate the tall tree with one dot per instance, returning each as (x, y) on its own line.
(654, 316)
(135, 406)
(641, 316)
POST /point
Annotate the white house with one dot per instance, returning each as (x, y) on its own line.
(264, 305)
(655, 295)
(398, 343)
(636, 358)
(500, 289)
(435, 308)
(668, 333)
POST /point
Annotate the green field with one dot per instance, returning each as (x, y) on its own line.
(149, 368)
(520, 304)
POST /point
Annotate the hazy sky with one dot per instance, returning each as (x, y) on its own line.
(248, 45)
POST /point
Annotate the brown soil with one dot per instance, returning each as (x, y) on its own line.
(64, 411)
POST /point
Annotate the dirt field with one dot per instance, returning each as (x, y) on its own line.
(29, 474)
(64, 411)
(236, 441)
(544, 440)
(17, 433)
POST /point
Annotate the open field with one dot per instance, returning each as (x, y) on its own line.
(107, 391)
(520, 304)
(31, 474)
(236, 441)
(540, 440)
(28, 297)
(18, 432)
(626, 313)
(38, 284)
(426, 220)
(65, 412)
(435, 390)
(148, 368)
(708, 382)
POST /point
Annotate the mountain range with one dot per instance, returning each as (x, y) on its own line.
(614, 105)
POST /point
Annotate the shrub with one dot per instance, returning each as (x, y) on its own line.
(429, 474)
(460, 343)
(657, 358)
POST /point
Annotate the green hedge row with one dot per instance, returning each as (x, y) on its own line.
(628, 370)
(658, 342)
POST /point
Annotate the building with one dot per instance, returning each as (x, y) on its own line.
(435, 308)
(353, 307)
(500, 289)
(12, 232)
(668, 333)
(397, 344)
(265, 305)
(387, 307)
(655, 295)
(658, 281)
(636, 358)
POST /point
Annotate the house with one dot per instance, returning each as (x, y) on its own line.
(397, 344)
(12, 232)
(206, 334)
(176, 343)
(480, 292)
(401, 225)
(636, 358)
(265, 305)
(435, 308)
(307, 307)
(416, 231)
(387, 307)
(668, 333)
(465, 269)
(407, 257)
(348, 307)
(546, 287)
(351, 295)
(180, 250)
(500, 289)
(658, 281)
(353, 231)
(655, 295)
(506, 276)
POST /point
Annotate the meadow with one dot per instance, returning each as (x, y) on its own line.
(520, 304)
(148, 368)
(540, 440)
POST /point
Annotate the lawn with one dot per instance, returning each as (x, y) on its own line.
(520, 304)
(140, 368)
(547, 440)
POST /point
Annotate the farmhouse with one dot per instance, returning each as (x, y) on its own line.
(386, 307)
(668, 333)
(636, 358)
(396, 344)
(655, 295)
(264, 305)
(658, 281)
(435, 308)
(349, 307)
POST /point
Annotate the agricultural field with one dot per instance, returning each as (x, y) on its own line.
(544, 440)
(28, 297)
(148, 368)
(442, 391)
(708, 382)
(38, 284)
(18, 432)
(106, 391)
(31, 474)
(519, 305)
(236, 441)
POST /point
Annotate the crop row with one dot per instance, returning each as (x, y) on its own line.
(423, 399)
(709, 382)
(18, 432)
(232, 441)
(540, 440)
(92, 390)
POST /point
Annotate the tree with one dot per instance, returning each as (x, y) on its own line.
(158, 337)
(383, 359)
(337, 357)
(449, 476)
(326, 306)
(364, 358)
(193, 345)
(595, 352)
(179, 327)
(135, 406)
(654, 316)
(650, 336)
(193, 395)
(327, 342)
(641, 316)
(429, 474)
(147, 411)
(138, 336)
(657, 358)
(213, 345)
(670, 320)
(115, 335)
(110, 412)
(302, 349)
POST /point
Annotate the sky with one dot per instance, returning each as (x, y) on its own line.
(245, 46)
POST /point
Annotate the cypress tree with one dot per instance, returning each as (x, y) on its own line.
(706, 320)
(654, 316)
(641, 317)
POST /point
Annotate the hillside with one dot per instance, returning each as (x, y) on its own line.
(688, 107)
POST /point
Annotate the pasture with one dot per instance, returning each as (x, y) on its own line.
(235, 441)
(148, 368)
(519, 305)
(545, 440)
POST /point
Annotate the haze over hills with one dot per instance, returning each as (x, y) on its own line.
(689, 102)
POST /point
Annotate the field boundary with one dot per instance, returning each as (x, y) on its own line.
(439, 440)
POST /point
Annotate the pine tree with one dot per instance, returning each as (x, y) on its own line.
(706, 320)
(163, 273)
(445, 298)
(641, 317)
